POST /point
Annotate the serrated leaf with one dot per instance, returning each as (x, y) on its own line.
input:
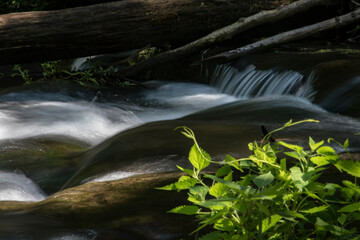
(185, 209)
(315, 209)
(199, 158)
(218, 189)
(319, 160)
(269, 223)
(313, 145)
(297, 178)
(349, 166)
(199, 193)
(326, 150)
(264, 179)
(185, 182)
(351, 207)
(283, 164)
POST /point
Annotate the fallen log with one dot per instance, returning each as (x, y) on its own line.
(114, 27)
(289, 36)
(227, 32)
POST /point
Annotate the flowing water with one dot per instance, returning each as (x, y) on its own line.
(57, 135)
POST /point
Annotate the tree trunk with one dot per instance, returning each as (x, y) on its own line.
(227, 32)
(289, 36)
(116, 26)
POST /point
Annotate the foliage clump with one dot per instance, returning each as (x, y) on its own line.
(262, 197)
(96, 76)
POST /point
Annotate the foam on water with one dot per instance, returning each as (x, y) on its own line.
(36, 113)
(15, 186)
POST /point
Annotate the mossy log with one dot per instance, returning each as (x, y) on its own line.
(116, 26)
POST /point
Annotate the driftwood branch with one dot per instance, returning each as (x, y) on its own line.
(289, 36)
(225, 33)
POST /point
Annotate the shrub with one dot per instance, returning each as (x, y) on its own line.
(262, 197)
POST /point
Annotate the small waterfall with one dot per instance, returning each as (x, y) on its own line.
(250, 82)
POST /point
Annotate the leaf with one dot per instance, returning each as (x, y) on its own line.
(283, 164)
(297, 178)
(199, 193)
(216, 235)
(223, 171)
(224, 225)
(351, 207)
(188, 171)
(227, 183)
(215, 204)
(291, 146)
(342, 219)
(349, 166)
(218, 190)
(346, 144)
(185, 182)
(169, 187)
(199, 158)
(326, 150)
(264, 179)
(185, 209)
(314, 145)
(269, 223)
(295, 155)
(315, 209)
(319, 160)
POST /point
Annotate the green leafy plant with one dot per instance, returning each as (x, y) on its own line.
(24, 74)
(267, 197)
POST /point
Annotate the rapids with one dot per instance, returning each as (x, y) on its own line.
(55, 135)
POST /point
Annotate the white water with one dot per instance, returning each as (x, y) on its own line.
(28, 114)
(17, 187)
(250, 82)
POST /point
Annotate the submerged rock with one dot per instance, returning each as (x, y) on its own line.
(131, 205)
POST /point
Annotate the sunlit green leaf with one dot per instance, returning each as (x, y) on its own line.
(264, 179)
(346, 144)
(185, 209)
(351, 207)
(188, 171)
(223, 171)
(319, 160)
(291, 146)
(313, 145)
(218, 189)
(349, 166)
(269, 223)
(199, 158)
(215, 205)
(315, 209)
(326, 150)
(224, 225)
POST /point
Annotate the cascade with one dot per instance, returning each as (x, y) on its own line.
(250, 82)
